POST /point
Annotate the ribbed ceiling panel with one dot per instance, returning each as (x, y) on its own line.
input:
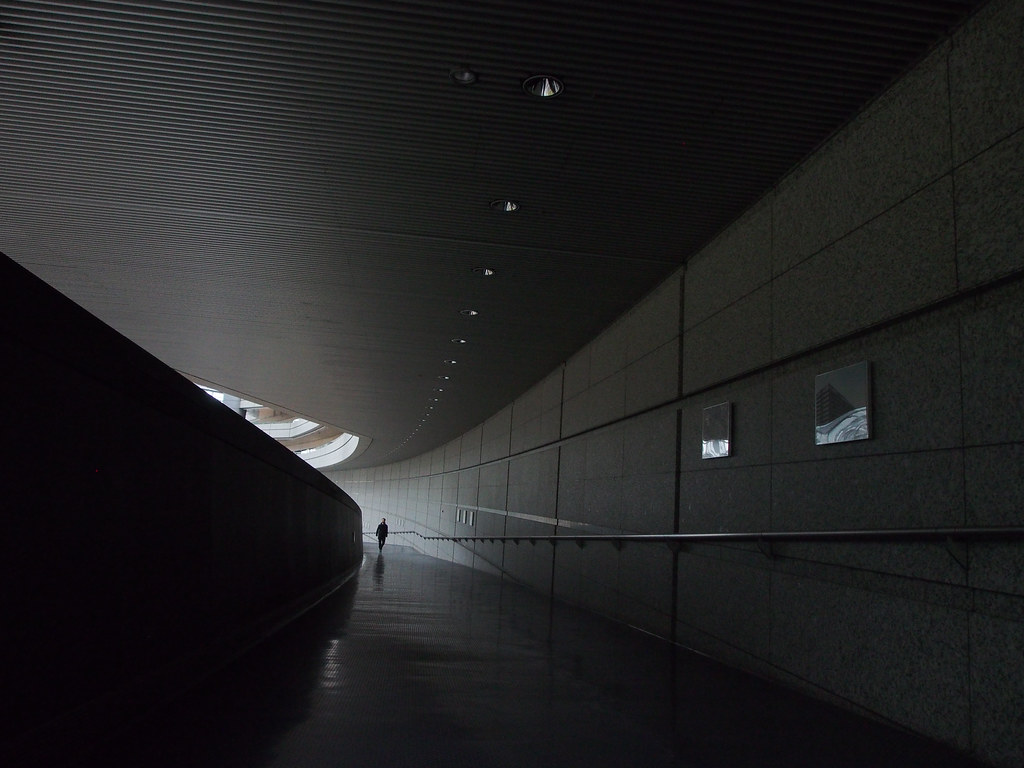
(288, 199)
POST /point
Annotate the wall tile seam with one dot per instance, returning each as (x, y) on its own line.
(651, 353)
(906, 314)
(864, 112)
(799, 565)
(787, 676)
(958, 304)
(575, 437)
(1009, 616)
(919, 590)
(689, 328)
(833, 459)
(621, 325)
(924, 186)
(722, 641)
(629, 363)
(953, 167)
(719, 466)
(1012, 135)
(681, 335)
(994, 602)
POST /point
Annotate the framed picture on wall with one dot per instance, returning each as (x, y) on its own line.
(842, 405)
(716, 431)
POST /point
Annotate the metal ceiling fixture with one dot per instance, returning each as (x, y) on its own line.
(543, 86)
(124, 126)
(463, 75)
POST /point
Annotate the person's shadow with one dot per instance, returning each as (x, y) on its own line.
(378, 573)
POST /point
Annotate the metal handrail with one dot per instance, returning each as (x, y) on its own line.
(999, 533)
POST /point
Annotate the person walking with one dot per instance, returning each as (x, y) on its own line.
(382, 533)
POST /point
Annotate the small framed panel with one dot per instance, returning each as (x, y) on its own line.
(716, 431)
(842, 405)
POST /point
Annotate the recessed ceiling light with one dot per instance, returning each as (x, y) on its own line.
(504, 206)
(462, 75)
(450, 362)
(468, 312)
(543, 86)
(445, 378)
(483, 271)
(458, 341)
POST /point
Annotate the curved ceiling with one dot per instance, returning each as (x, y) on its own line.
(290, 199)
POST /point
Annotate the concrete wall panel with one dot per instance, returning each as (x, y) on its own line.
(727, 500)
(993, 387)
(903, 259)
(654, 322)
(648, 444)
(733, 266)
(437, 461)
(985, 84)
(997, 689)
(607, 400)
(576, 414)
(903, 657)
(532, 484)
(736, 340)
(723, 603)
(608, 352)
(494, 486)
(990, 213)
(998, 568)
(994, 484)
(603, 504)
(648, 503)
(899, 145)
(900, 491)
(577, 373)
(605, 453)
(645, 587)
(496, 436)
(653, 379)
(469, 448)
(469, 487)
(452, 454)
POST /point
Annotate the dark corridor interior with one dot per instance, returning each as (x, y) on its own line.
(420, 662)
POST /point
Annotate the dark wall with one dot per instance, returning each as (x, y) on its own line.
(149, 532)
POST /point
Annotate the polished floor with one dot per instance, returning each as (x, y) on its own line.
(424, 663)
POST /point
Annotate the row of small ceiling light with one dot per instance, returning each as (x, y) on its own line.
(538, 86)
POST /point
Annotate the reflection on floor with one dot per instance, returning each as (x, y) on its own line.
(425, 663)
